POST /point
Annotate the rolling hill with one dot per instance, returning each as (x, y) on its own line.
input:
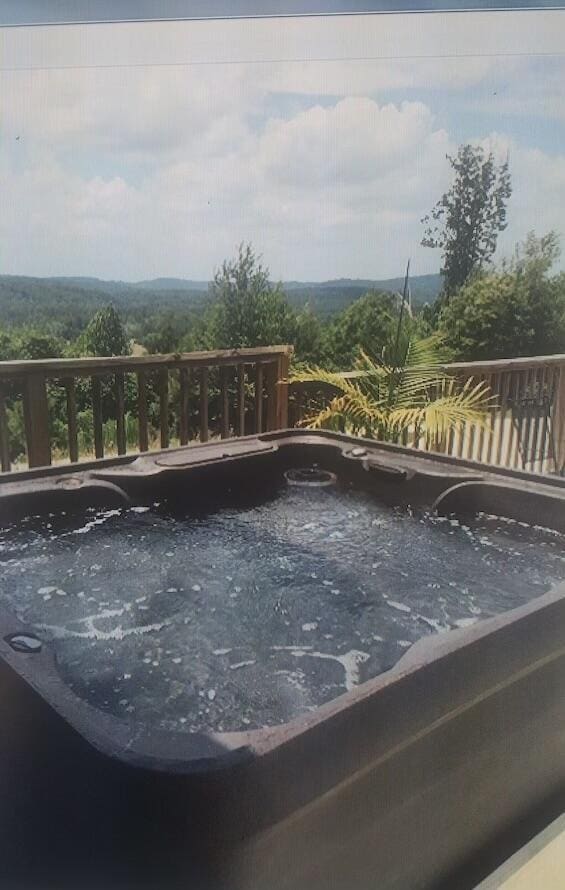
(24, 299)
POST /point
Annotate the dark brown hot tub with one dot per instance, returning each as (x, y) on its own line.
(305, 661)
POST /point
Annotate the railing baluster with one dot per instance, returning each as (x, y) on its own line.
(461, 438)
(517, 419)
(71, 392)
(164, 406)
(97, 417)
(493, 411)
(295, 404)
(503, 406)
(537, 404)
(450, 441)
(204, 405)
(241, 400)
(120, 415)
(4, 435)
(183, 406)
(509, 420)
(545, 449)
(282, 391)
(481, 442)
(471, 438)
(559, 421)
(526, 439)
(224, 404)
(142, 432)
(258, 397)
(272, 377)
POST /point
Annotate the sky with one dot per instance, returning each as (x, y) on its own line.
(139, 150)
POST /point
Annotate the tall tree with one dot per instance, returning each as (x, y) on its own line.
(369, 323)
(517, 311)
(248, 310)
(466, 221)
(105, 334)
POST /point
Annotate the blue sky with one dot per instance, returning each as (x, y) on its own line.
(150, 150)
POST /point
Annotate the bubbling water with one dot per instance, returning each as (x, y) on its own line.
(246, 616)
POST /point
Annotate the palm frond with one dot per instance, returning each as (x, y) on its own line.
(355, 409)
(385, 401)
(428, 351)
(369, 366)
(327, 378)
(451, 409)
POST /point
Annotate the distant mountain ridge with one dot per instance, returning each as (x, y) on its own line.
(419, 284)
(154, 284)
(27, 299)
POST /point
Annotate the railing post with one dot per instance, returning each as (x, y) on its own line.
(559, 421)
(36, 419)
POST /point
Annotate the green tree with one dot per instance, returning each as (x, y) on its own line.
(517, 311)
(164, 339)
(247, 309)
(466, 221)
(33, 344)
(105, 334)
(368, 324)
(7, 346)
(310, 343)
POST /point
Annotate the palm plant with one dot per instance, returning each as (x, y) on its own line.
(405, 394)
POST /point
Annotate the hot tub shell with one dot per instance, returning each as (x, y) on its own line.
(425, 776)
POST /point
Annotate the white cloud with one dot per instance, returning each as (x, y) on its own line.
(538, 196)
(354, 141)
(145, 171)
(334, 178)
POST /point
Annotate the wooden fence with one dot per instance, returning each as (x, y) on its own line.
(237, 392)
(526, 425)
(250, 395)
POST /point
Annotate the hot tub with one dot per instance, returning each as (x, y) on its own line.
(280, 661)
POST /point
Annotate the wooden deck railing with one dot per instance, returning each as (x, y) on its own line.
(170, 399)
(526, 425)
(247, 389)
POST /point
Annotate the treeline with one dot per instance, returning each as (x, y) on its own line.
(241, 308)
(514, 310)
(68, 303)
(517, 309)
